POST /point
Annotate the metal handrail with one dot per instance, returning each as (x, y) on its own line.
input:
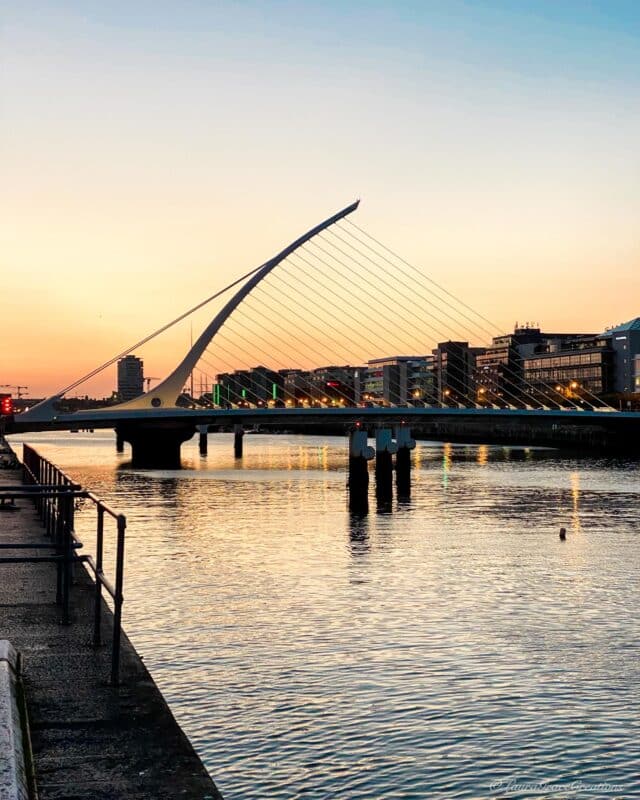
(54, 494)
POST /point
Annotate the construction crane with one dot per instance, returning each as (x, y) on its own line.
(148, 381)
(17, 388)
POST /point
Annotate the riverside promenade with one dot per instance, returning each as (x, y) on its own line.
(89, 739)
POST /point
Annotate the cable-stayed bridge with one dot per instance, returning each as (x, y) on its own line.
(337, 294)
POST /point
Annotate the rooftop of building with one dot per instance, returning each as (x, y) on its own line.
(632, 325)
(397, 359)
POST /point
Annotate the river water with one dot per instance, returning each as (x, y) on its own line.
(454, 647)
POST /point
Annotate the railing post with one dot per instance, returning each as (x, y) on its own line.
(67, 554)
(97, 612)
(72, 526)
(117, 602)
(49, 506)
(58, 537)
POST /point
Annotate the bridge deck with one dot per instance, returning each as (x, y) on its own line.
(109, 418)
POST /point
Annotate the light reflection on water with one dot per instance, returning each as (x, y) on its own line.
(425, 653)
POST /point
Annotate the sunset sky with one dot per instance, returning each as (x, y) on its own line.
(153, 151)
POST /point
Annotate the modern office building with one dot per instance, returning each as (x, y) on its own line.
(523, 368)
(571, 369)
(624, 341)
(498, 375)
(421, 382)
(331, 385)
(454, 366)
(579, 366)
(130, 378)
(297, 387)
(397, 380)
(336, 385)
(258, 386)
(530, 366)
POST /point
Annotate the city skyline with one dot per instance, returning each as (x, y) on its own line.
(481, 140)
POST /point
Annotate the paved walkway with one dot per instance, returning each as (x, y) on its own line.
(89, 740)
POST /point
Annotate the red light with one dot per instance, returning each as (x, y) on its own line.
(6, 405)
(333, 383)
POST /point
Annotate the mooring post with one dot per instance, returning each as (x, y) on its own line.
(359, 455)
(405, 445)
(202, 438)
(238, 433)
(385, 448)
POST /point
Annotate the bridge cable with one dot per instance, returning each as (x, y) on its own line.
(374, 345)
(506, 369)
(412, 289)
(314, 304)
(598, 401)
(464, 371)
(377, 322)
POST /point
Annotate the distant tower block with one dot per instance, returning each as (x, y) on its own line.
(130, 378)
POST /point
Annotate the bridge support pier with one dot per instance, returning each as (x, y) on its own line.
(202, 439)
(155, 445)
(358, 483)
(119, 443)
(405, 445)
(238, 435)
(385, 448)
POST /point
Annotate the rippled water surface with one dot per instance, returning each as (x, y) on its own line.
(451, 648)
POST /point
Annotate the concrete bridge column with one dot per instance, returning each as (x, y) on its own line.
(156, 445)
(202, 439)
(359, 455)
(119, 443)
(238, 434)
(385, 448)
(405, 445)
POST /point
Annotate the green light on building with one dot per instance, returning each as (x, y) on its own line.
(274, 391)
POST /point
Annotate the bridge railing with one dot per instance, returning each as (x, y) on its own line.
(55, 494)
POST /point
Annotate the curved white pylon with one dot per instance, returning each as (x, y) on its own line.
(166, 393)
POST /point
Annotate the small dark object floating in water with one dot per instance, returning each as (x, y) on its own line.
(563, 534)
